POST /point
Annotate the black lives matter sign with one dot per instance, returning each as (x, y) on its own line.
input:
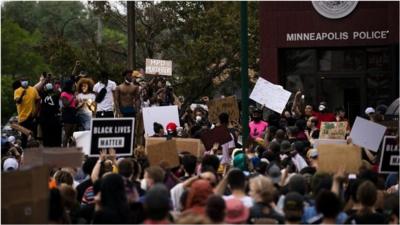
(116, 133)
(390, 159)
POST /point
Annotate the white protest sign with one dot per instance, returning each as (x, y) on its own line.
(82, 139)
(162, 115)
(270, 95)
(162, 67)
(367, 134)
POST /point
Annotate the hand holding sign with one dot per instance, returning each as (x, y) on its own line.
(272, 96)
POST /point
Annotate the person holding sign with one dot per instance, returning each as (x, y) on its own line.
(86, 102)
(126, 97)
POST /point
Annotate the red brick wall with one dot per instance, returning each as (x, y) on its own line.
(279, 18)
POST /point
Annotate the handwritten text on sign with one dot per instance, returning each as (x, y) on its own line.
(272, 96)
(333, 130)
(162, 67)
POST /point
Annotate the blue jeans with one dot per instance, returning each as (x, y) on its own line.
(84, 119)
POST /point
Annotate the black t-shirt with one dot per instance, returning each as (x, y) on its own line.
(367, 218)
(264, 214)
(49, 107)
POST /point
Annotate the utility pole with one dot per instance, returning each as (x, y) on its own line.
(131, 64)
(244, 71)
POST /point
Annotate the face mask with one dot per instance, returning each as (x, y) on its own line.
(198, 118)
(49, 86)
(24, 83)
(321, 108)
(128, 81)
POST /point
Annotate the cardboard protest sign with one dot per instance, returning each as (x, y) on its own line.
(82, 140)
(191, 145)
(25, 196)
(162, 67)
(56, 157)
(270, 95)
(367, 134)
(228, 105)
(331, 157)
(164, 152)
(318, 142)
(219, 135)
(333, 130)
(162, 115)
(390, 158)
(116, 133)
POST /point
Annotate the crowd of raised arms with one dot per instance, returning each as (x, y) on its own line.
(274, 179)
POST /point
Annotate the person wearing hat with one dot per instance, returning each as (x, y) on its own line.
(127, 96)
(293, 208)
(370, 112)
(236, 212)
(171, 129)
(86, 107)
(257, 125)
(10, 164)
(49, 117)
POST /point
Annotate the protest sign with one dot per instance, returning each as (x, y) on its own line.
(116, 133)
(82, 140)
(191, 145)
(162, 115)
(390, 158)
(219, 135)
(367, 134)
(391, 125)
(162, 67)
(25, 196)
(331, 157)
(163, 152)
(318, 142)
(228, 105)
(333, 130)
(56, 157)
(270, 95)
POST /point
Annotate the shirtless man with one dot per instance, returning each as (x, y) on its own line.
(126, 97)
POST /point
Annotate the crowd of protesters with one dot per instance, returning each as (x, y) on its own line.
(274, 179)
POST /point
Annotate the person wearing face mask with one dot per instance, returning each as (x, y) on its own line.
(324, 115)
(105, 90)
(27, 100)
(50, 116)
(257, 125)
(127, 96)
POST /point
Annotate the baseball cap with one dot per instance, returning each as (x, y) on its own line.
(171, 127)
(275, 173)
(10, 164)
(236, 212)
(369, 110)
(293, 202)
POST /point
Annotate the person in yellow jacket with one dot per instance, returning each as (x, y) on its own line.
(27, 100)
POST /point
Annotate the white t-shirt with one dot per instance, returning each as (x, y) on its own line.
(85, 97)
(246, 200)
(108, 102)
